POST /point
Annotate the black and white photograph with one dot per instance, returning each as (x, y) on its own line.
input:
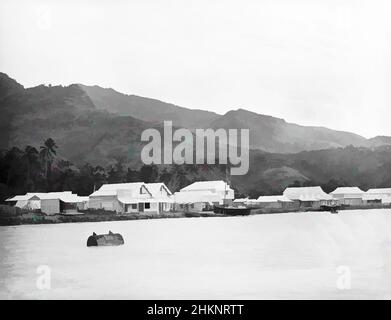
(185, 150)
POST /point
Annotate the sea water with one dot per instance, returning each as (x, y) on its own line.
(313, 255)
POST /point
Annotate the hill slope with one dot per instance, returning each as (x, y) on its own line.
(66, 114)
(276, 135)
(270, 173)
(266, 132)
(8, 86)
(147, 109)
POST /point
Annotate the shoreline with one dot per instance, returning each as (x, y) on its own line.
(39, 218)
(29, 218)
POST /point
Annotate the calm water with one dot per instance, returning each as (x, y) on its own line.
(265, 256)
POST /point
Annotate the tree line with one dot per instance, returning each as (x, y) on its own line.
(41, 169)
(32, 169)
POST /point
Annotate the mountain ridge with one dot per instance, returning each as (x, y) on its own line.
(70, 107)
(267, 133)
(277, 135)
(144, 108)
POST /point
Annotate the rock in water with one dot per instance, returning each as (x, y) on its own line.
(110, 239)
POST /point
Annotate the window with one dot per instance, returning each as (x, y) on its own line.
(147, 205)
(192, 206)
(134, 206)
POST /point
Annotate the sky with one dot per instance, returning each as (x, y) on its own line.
(310, 62)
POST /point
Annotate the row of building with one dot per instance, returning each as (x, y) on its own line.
(199, 196)
(50, 202)
(315, 197)
(135, 197)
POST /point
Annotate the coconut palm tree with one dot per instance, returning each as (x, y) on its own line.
(47, 153)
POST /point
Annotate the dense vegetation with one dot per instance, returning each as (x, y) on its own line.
(39, 170)
(329, 168)
(31, 169)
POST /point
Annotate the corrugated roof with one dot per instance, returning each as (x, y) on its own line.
(379, 191)
(273, 199)
(118, 186)
(24, 197)
(18, 198)
(306, 194)
(219, 185)
(113, 188)
(347, 190)
(98, 193)
(65, 196)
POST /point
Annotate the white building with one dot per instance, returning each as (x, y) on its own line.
(308, 197)
(132, 198)
(195, 201)
(220, 188)
(51, 202)
(377, 196)
(351, 196)
(274, 202)
(25, 201)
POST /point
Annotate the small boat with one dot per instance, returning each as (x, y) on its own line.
(110, 239)
(232, 211)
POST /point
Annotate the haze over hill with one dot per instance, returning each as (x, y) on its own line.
(147, 109)
(266, 132)
(276, 135)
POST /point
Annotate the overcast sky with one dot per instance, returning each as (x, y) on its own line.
(310, 62)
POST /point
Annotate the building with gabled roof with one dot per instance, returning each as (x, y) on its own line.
(195, 201)
(219, 187)
(203, 195)
(377, 196)
(273, 202)
(51, 202)
(308, 197)
(133, 197)
(350, 196)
